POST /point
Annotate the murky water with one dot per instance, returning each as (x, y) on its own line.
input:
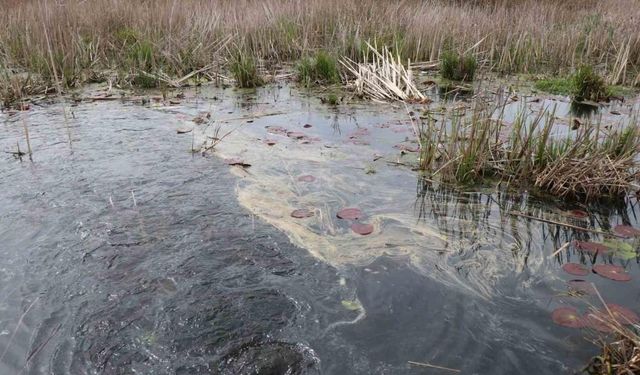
(123, 252)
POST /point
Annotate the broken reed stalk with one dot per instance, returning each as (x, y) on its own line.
(26, 135)
(385, 78)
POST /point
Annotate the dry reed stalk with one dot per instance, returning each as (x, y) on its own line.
(384, 78)
(74, 39)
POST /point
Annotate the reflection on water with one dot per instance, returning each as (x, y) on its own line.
(128, 254)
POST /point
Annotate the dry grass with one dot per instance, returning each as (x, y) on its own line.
(76, 40)
(384, 78)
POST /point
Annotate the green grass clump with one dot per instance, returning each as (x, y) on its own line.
(320, 69)
(556, 85)
(456, 67)
(332, 99)
(245, 71)
(588, 85)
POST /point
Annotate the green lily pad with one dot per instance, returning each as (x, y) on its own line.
(351, 305)
(620, 249)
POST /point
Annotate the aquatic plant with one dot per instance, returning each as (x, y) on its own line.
(245, 71)
(457, 67)
(319, 69)
(589, 164)
(588, 85)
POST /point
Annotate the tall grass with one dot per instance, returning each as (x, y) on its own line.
(591, 163)
(178, 37)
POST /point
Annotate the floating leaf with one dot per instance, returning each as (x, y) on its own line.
(270, 142)
(575, 269)
(306, 178)
(237, 161)
(276, 130)
(306, 126)
(611, 272)
(351, 305)
(407, 147)
(591, 247)
(349, 214)
(363, 229)
(184, 130)
(301, 213)
(597, 321)
(622, 314)
(626, 231)
(581, 286)
(621, 249)
(567, 317)
(295, 135)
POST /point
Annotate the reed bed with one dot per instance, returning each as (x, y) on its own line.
(78, 40)
(589, 163)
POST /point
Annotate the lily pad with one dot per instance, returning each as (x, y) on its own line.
(307, 126)
(626, 231)
(301, 213)
(611, 272)
(621, 249)
(622, 314)
(407, 147)
(270, 142)
(575, 269)
(296, 135)
(591, 247)
(306, 178)
(595, 321)
(276, 130)
(363, 229)
(349, 214)
(567, 317)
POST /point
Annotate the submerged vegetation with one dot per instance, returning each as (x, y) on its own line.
(74, 41)
(592, 163)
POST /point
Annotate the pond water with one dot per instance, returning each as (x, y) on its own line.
(125, 252)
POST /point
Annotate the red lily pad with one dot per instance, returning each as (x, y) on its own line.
(595, 321)
(307, 126)
(579, 214)
(359, 142)
(276, 130)
(611, 272)
(349, 214)
(626, 231)
(575, 269)
(358, 133)
(306, 178)
(363, 229)
(295, 135)
(237, 161)
(581, 286)
(567, 317)
(591, 247)
(270, 142)
(301, 213)
(622, 314)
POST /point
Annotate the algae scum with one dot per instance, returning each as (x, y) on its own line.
(303, 243)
